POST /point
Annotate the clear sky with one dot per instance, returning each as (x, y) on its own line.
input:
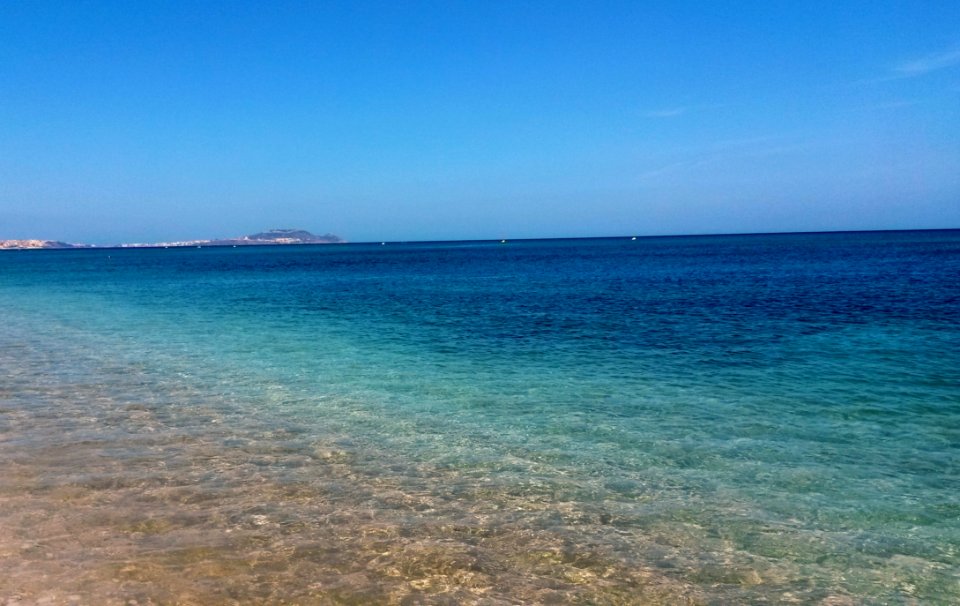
(146, 121)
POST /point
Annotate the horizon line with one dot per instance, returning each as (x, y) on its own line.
(81, 246)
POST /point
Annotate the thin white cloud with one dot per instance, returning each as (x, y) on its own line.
(888, 105)
(928, 63)
(743, 149)
(680, 110)
(671, 112)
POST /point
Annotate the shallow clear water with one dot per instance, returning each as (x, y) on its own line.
(737, 419)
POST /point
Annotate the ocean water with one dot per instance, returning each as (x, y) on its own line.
(690, 420)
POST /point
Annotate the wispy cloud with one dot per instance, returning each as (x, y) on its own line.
(729, 150)
(671, 112)
(676, 111)
(887, 105)
(928, 63)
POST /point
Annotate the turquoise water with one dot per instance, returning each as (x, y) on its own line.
(729, 419)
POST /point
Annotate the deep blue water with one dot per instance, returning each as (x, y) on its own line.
(711, 419)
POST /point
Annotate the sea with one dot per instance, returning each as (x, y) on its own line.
(745, 419)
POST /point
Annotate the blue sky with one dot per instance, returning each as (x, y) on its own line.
(153, 121)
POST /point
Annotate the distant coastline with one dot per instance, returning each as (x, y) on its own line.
(271, 237)
(34, 244)
(279, 237)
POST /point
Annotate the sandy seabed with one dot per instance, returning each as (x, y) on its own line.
(132, 506)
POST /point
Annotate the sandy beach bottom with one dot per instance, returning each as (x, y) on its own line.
(122, 485)
(161, 511)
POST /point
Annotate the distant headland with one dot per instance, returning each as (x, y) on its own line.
(25, 244)
(264, 238)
